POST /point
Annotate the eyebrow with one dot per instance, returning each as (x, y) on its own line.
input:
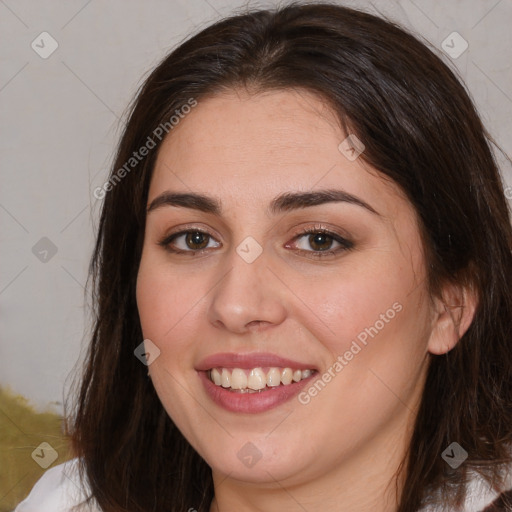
(284, 202)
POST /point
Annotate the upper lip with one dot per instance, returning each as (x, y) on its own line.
(248, 361)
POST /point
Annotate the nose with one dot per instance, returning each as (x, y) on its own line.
(248, 297)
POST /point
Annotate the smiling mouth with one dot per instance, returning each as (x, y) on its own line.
(256, 380)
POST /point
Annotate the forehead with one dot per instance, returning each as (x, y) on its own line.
(252, 147)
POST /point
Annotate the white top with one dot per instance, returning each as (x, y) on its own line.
(59, 489)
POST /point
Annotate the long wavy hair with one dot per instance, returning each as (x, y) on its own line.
(421, 130)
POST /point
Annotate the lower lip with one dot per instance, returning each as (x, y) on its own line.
(251, 402)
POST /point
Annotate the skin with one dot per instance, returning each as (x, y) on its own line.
(341, 450)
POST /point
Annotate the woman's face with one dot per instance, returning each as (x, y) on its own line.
(242, 289)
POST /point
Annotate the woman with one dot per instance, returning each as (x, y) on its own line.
(305, 241)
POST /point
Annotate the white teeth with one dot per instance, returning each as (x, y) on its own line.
(252, 381)
(287, 376)
(226, 378)
(273, 377)
(238, 379)
(216, 377)
(306, 373)
(257, 379)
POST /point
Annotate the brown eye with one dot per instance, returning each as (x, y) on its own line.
(191, 241)
(197, 239)
(320, 241)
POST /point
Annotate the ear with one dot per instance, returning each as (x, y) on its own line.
(453, 314)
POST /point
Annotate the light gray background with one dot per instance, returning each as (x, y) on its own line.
(61, 118)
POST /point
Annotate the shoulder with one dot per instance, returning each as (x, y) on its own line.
(481, 498)
(58, 490)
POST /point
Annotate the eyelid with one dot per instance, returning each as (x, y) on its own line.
(166, 240)
(182, 229)
(345, 242)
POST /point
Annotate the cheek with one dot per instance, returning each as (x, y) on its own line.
(373, 319)
(165, 298)
(379, 347)
(168, 305)
(378, 355)
(358, 297)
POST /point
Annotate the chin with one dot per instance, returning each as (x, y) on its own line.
(265, 464)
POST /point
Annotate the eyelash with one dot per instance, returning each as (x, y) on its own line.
(345, 244)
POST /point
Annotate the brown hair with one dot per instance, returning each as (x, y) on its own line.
(420, 129)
